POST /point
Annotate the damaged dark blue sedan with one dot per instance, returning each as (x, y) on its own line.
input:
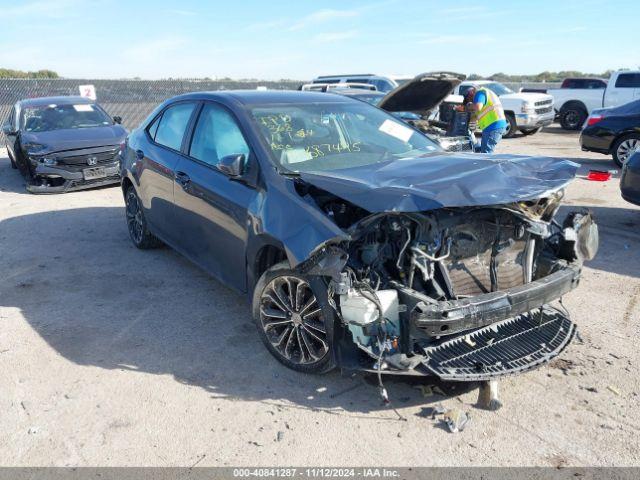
(361, 243)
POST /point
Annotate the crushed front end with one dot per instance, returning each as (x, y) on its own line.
(76, 169)
(460, 293)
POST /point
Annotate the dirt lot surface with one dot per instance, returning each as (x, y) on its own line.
(114, 356)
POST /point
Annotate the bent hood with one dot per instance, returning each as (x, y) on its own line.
(445, 180)
(75, 138)
(422, 94)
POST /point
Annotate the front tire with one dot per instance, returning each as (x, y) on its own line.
(292, 318)
(624, 147)
(13, 162)
(530, 131)
(512, 126)
(139, 232)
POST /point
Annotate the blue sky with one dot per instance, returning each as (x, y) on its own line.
(287, 39)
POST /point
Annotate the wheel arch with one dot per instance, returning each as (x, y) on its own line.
(125, 184)
(573, 104)
(263, 252)
(629, 132)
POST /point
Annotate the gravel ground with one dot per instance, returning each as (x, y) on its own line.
(114, 356)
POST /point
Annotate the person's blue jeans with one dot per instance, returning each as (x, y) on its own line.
(491, 139)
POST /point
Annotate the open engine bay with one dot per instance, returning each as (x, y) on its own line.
(461, 293)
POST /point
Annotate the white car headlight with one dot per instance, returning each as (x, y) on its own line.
(528, 107)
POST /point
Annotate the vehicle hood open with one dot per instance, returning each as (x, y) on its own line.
(422, 94)
(445, 180)
(76, 138)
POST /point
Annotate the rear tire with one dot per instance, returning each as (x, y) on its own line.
(530, 131)
(624, 147)
(512, 126)
(139, 232)
(573, 117)
(292, 316)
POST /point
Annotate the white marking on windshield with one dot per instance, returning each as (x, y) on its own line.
(396, 130)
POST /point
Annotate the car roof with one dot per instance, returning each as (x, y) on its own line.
(348, 75)
(357, 92)
(61, 100)
(262, 97)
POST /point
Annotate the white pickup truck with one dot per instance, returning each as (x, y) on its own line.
(527, 112)
(573, 105)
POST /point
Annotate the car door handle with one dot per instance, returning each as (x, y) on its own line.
(139, 154)
(182, 178)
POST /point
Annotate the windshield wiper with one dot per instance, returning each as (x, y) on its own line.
(289, 174)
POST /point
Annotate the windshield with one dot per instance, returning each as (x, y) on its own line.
(328, 136)
(373, 99)
(498, 88)
(60, 117)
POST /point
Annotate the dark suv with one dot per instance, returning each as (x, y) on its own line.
(61, 144)
(360, 242)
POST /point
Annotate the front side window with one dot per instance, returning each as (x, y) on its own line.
(498, 88)
(61, 117)
(216, 135)
(382, 85)
(173, 124)
(330, 136)
(628, 80)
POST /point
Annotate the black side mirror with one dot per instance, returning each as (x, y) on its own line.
(117, 119)
(232, 165)
(7, 129)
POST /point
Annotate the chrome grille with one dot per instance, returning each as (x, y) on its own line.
(101, 158)
(542, 111)
(543, 102)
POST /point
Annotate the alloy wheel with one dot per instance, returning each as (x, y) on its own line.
(626, 148)
(134, 218)
(292, 320)
(572, 119)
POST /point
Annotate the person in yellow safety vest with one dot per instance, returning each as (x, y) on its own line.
(489, 115)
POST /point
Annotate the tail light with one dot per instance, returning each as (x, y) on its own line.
(594, 119)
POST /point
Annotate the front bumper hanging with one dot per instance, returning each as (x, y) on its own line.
(506, 348)
(454, 316)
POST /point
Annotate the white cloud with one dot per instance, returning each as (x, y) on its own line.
(258, 26)
(48, 9)
(181, 13)
(330, 37)
(323, 16)
(153, 50)
(468, 40)
(467, 10)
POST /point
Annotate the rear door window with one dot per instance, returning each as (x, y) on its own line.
(153, 128)
(172, 125)
(628, 80)
(216, 135)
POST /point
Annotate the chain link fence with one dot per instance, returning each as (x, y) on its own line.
(133, 100)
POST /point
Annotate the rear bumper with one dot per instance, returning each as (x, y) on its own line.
(534, 120)
(630, 184)
(592, 140)
(455, 316)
